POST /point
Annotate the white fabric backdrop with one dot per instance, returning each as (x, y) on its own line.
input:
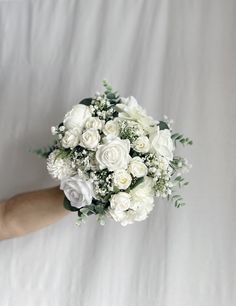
(177, 58)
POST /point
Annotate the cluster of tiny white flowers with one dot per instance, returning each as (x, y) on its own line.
(102, 181)
(100, 107)
(130, 130)
(161, 171)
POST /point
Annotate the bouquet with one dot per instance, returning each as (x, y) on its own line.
(112, 159)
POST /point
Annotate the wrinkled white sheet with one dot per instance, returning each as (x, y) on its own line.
(177, 58)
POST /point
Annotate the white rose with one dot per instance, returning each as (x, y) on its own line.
(142, 197)
(90, 139)
(130, 109)
(122, 179)
(137, 167)
(161, 143)
(77, 190)
(114, 154)
(71, 138)
(77, 116)
(141, 144)
(94, 122)
(58, 167)
(111, 128)
(120, 201)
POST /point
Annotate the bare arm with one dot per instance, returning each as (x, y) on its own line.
(31, 211)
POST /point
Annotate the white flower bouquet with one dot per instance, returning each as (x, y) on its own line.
(112, 159)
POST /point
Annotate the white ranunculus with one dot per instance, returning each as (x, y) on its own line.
(119, 209)
(71, 138)
(117, 215)
(128, 218)
(90, 139)
(114, 154)
(77, 116)
(77, 190)
(122, 179)
(161, 143)
(141, 144)
(94, 122)
(111, 128)
(58, 167)
(130, 109)
(142, 196)
(137, 167)
(120, 201)
(140, 214)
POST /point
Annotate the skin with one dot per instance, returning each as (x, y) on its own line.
(30, 211)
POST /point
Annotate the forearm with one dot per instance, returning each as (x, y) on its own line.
(30, 211)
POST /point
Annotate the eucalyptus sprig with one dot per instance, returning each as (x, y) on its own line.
(112, 96)
(177, 200)
(181, 139)
(44, 152)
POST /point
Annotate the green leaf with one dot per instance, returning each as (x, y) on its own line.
(86, 101)
(163, 125)
(68, 205)
(43, 152)
(116, 189)
(137, 182)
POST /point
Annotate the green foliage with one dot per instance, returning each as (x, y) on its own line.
(92, 209)
(163, 125)
(68, 206)
(43, 152)
(177, 200)
(180, 181)
(63, 153)
(111, 95)
(181, 139)
(136, 182)
(86, 101)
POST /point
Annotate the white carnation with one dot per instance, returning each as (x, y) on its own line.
(142, 199)
(58, 167)
(77, 116)
(71, 138)
(141, 144)
(122, 179)
(137, 167)
(90, 139)
(77, 190)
